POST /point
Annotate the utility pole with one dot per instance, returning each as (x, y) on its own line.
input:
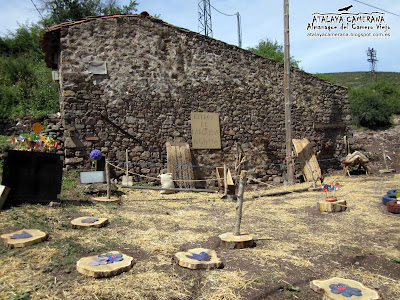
(371, 53)
(288, 103)
(239, 25)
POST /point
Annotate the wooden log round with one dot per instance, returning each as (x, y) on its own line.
(105, 199)
(336, 206)
(84, 222)
(85, 266)
(16, 239)
(231, 241)
(340, 289)
(188, 259)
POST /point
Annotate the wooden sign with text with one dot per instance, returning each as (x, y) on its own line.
(205, 130)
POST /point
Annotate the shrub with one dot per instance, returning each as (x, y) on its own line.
(373, 106)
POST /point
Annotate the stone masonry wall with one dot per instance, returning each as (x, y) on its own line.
(157, 74)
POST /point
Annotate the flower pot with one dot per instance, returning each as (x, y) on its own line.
(331, 199)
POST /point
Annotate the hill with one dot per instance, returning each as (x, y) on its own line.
(360, 79)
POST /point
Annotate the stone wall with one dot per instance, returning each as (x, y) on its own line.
(52, 127)
(157, 74)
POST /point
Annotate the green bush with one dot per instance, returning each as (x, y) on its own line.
(373, 106)
(26, 86)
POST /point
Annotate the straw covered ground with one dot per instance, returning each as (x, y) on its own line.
(295, 244)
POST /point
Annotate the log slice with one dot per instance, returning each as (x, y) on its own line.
(85, 266)
(77, 223)
(36, 236)
(191, 263)
(341, 289)
(231, 241)
(105, 199)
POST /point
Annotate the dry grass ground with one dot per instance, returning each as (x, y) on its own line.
(295, 243)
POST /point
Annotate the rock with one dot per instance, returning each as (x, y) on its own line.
(96, 188)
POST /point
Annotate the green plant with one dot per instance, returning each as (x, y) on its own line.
(372, 106)
(22, 296)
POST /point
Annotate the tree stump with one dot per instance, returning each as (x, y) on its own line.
(105, 199)
(231, 241)
(84, 222)
(23, 238)
(198, 258)
(98, 266)
(340, 289)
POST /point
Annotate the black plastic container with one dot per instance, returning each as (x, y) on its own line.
(32, 176)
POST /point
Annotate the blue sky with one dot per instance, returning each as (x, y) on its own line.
(264, 19)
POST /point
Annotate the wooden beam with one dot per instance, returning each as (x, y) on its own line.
(168, 189)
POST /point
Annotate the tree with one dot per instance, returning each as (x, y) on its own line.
(59, 11)
(273, 50)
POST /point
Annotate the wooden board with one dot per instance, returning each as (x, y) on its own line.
(85, 267)
(3, 194)
(342, 289)
(231, 241)
(229, 180)
(336, 206)
(37, 237)
(80, 222)
(179, 163)
(105, 199)
(308, 160)
(192, 263)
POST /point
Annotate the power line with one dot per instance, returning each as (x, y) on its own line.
(223, 13)
(377, 8)
(37, 9)
(239, 24)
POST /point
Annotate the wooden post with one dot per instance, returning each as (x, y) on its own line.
(239, 204)
(126, 164)
(384, 157)
(108, 179)
(225, 180)
(288, 103)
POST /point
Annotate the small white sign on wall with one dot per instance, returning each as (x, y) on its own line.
(205, 130)
(98, 67)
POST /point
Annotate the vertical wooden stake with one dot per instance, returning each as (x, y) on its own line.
(384, 157)
(239, 204)
(108, 179)
(225, 180)
(126, 164)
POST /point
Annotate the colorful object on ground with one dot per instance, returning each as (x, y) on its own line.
(113, 257)
(34, 142)
(22, 235)
(89, 220)
(330, 189)
(345, 290)
(95, 154)
(107, 258)
(203, 256)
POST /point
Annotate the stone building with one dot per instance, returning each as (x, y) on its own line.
(132, 81)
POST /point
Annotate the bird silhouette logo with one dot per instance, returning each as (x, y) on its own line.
(345, 8)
